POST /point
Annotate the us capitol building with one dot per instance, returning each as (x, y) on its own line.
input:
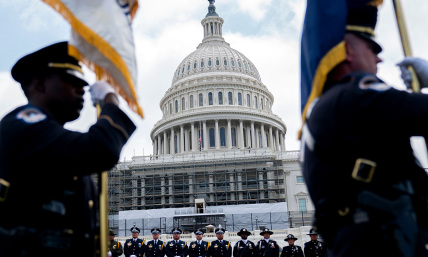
(219, 156)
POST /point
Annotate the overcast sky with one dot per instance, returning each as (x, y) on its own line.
(165, 31)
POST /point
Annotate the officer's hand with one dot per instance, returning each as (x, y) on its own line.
(101, 92)
(421, 69)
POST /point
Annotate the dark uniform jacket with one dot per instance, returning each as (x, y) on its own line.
(173, 248)
(265, 249)
(315, 249)
(357, 142)
(292, 251)
(201, 249)
(223, 249)
(136, 247)
(115, 248)
(241, 249)
(155, 250)
(49, 170)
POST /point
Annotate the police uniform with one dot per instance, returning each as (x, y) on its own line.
(291, 250)
(244, 248)
(176, 247)
(155, 248)
(115, 247)
(315, 248)
(357, 142)
(199, 248)
(47, 169)
(220, 248)
(134, 246)
(267, 248)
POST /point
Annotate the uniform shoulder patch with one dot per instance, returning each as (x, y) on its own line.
(31, 115)
(371, 82)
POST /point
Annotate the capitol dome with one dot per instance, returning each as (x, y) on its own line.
(217, 101)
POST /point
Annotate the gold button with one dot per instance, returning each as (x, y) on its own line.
(91, 204)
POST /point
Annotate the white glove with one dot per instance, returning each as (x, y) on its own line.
(109, 254)
(99, 90)
(421, 69)
(133, 255)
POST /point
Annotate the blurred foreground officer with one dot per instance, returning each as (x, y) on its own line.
(358, 143)
(155, 247)
(134, 247)
(267, 247)
(220, 247)
(45, 168)
(199, 247)
(314, 248)
(115, 248)
(291, 250)
(244, 247)
(176, 247)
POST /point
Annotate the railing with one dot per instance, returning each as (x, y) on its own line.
(298, 219)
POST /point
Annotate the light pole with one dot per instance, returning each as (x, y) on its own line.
(290, 216)
(257, 227)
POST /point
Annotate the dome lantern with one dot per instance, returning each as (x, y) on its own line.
(212, 24)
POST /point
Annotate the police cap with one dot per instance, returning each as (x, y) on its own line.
(199, 232)
(220, 230)
(266, 230)
(111, 232)
(243, 231)
(289, 237)
(176, 231)
(53, 59)
(134, 229)
(312, 232)
(155, 231)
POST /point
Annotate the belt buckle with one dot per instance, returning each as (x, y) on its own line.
(364, 170)
(4, 188)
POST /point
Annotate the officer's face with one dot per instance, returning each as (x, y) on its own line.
(110, 237)
(360, 54)
(314, 237)
(135, 234)
(199, 236)
(266, 235)
(290, 241)
(62, 98)
(155, 236)
(244, 236)
(219, 236)
(176, 236)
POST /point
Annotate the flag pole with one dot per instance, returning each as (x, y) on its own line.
(399, 14)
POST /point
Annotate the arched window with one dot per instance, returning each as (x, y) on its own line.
(188, 67)
(183, 104)
(220, 98)
(202, 63)
(222, 137)
(194, 65)
(178, 73)
(233, 62)
(245, 65)
(210, 98)
(217, 62)
(233, 134)
(191, 101)
(225, 62)
(209, 62)
(248, 100)
(170, 108)
(239, 99)
(182, 71)
(230, 97)
(201, 100)
(239, 63)
(176, 106)
(261, 103)
(212, 138)
(255, 102)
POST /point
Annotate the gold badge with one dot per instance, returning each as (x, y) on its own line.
(129, 243)
(193, 245)
(215, 246)
(150, 246)
(171, 244)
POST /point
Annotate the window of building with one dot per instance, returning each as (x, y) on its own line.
(248, 100)
(170, 108)
(255, 102)
(201, 100)
(210, 98)
(233, 135)
(232, 62)
(178, 73)
(191, 101)
(230, 97)
(209, 62)
(194, 65)
(176, 106)
(239, 64)
(299, 179)
(182, 71)
(188, 67)
(239, 99)
(212, 138)
(183, 104)
(302, 204)
(217, 62)
(225, 62)
(261, 103)
(202, 63)
(220, 98)
(222, 136)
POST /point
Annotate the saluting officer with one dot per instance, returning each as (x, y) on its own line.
(315, 248)
(199, 248)
(220, 247)
(115, 248)
(291, 250)
(134, 247)
(244, 247)
(155, 247)
(267, 247)
(176, 247)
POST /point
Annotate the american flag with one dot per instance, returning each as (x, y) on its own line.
(200, 143)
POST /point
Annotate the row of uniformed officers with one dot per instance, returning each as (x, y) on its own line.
(266, 247)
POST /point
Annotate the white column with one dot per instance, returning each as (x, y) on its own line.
(165, 143)
(206, 143)
(155, 144)
(248, 137)
(170, 190)
(162, 190)
(271, 144)
(262, 128)
(217, 135)
(277, 140)
(193, 137)
(159, 145)
(229, 135)
(241, 135)
(186, 140)
(253, 135)
(282, 142)
(171, 145)
(181, 139)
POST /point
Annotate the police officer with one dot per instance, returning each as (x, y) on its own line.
(357, 142)
(244, 247)
(314, 248)
(53, 178)
(267, 247)
(220, 247)
(115, 248)
(134, 247)
(291, 250)
(199, 247)
(176, 247)
(155, 247)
